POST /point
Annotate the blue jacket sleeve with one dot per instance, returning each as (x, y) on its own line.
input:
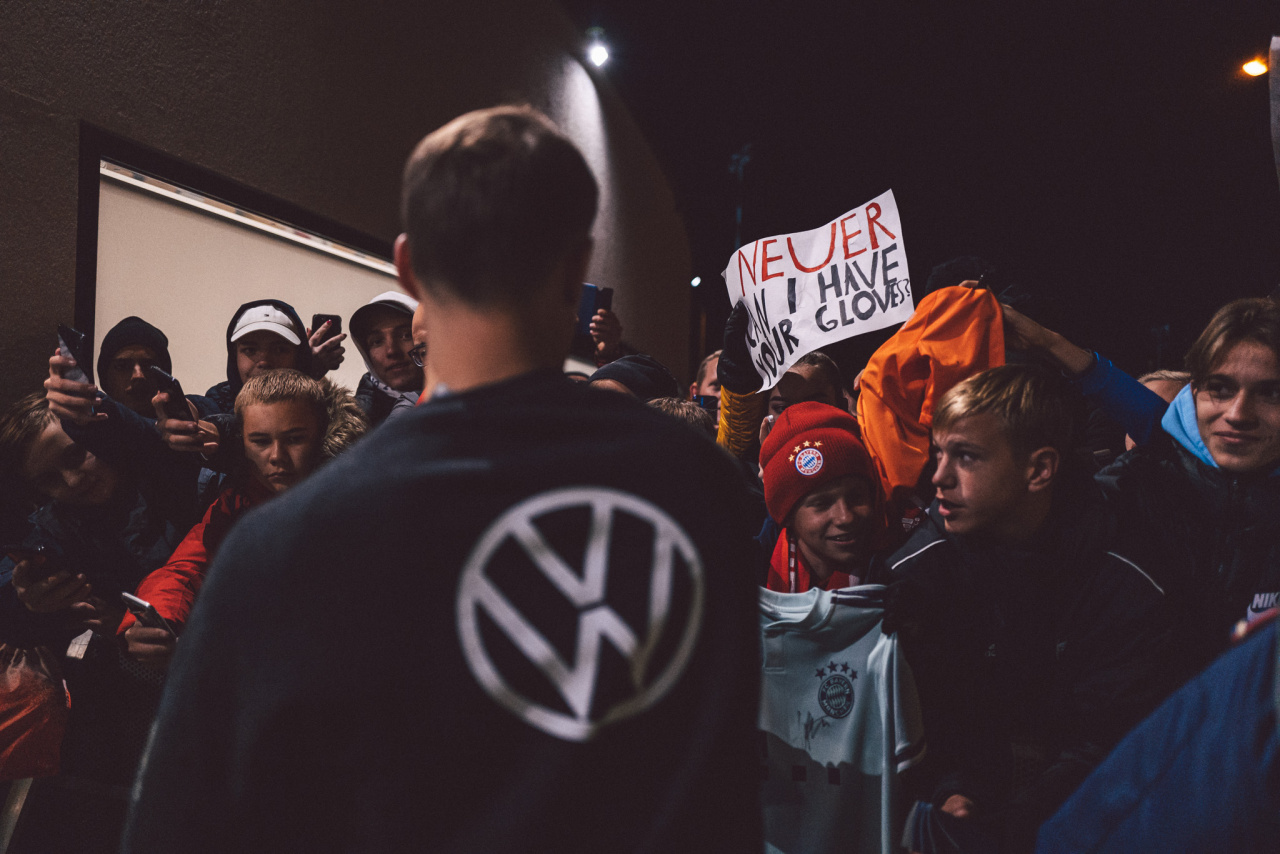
(1126, 401)
(1201, 774)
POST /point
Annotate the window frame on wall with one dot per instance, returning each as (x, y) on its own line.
(98, 146)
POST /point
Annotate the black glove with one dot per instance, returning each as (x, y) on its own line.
(901, 607)
(735, 371)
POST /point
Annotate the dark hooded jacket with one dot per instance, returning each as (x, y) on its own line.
(1210, 537)
(223, 395)
(112, 700)
(379, 400)
(1030, 663)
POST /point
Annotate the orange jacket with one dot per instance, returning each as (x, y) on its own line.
(954, 333)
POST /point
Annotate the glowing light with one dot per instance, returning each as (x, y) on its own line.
(597, 52)
(697, 280)
(1254, 67)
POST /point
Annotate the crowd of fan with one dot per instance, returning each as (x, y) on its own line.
(1064, 547)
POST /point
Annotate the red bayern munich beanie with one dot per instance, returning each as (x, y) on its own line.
(811, 444)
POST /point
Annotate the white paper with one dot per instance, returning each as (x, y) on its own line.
(812, 288)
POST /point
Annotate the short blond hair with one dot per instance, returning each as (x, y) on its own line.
(283, 386)
(1037, 406)
(703, 365)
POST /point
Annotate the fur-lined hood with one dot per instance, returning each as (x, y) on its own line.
(347, 421)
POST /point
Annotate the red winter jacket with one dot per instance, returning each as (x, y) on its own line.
(172, 588)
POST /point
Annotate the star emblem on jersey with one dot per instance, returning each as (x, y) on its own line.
(835, 691)
(555, 582)
(809, 461)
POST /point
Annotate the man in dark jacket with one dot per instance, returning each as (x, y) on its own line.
(1035, 647)
(1200, 501)
(561, 656)
(382, 330)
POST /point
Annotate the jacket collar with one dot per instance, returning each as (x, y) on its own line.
(1180, 422)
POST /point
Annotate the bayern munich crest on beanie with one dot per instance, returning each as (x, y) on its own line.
(809, 461)
(810, 445)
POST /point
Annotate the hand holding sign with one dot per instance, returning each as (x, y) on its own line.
(736, 372)
(804, 290)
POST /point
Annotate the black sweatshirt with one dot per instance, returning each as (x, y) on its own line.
(516, 619)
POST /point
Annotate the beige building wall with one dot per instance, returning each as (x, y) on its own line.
(186, 265)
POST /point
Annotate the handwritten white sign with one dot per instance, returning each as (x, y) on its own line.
(812, 288)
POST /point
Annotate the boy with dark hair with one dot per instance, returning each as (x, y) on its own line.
(688, 412)
(639, 375)
(547, 580)
(1035, 646)
(382, 330)
(128, 349)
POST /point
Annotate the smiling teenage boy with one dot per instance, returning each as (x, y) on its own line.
(820, 486)
(1200, 501)
(1035, 646)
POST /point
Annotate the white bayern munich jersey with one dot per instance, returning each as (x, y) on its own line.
(839, 719)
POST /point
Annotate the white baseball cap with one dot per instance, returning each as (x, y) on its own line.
(267, 318)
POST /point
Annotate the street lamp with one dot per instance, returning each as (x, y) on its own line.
(597, 51)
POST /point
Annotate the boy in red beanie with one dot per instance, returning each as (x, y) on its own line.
(821, 487)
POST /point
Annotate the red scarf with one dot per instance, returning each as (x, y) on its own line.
(788, 559)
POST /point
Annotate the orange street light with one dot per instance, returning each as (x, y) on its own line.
(1254, 68)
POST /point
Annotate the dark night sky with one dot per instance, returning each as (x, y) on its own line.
(1110, 159)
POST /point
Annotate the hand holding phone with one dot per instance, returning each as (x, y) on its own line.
(319, 320)
(326, 344)
(145, 613)
(69, 387)
(604, 299)
(176, 406)
(74, 343)
(40, 585)
(605, 327)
